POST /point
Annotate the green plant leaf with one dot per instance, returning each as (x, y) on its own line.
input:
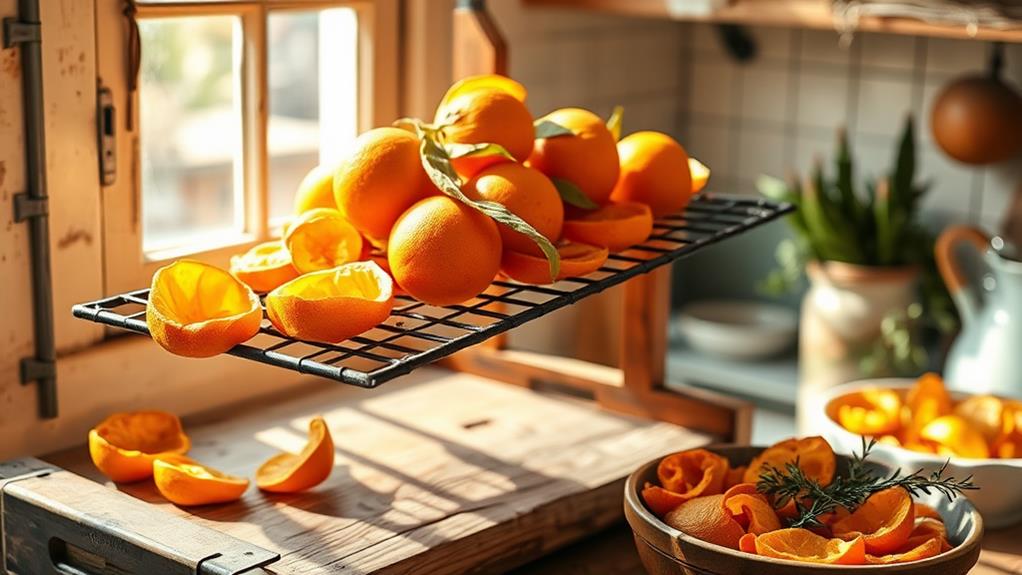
(458, 150)
(614, 122)
(885, 227)
(437, 164)
(550, 129)
(571, 194)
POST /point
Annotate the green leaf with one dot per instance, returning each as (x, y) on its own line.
(571, 194)
(458, 150)
(904, 168)
(550, 129)
(437, 164)
(885, 232)
(614, 122)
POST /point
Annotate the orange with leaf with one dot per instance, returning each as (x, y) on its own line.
(793, 505)
(486, 110)
(575, 145)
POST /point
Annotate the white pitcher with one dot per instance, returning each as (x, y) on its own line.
(986, 357)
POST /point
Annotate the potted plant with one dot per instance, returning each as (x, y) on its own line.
(869, 261)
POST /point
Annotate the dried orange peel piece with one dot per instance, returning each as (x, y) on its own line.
(577, 260)
(693, 473)
(925, 550)
(885, 521)
(332, 305)
(264, 267)
(803, 545)
(616, 226)
(815, 459)
(124, 445)
(985, 414)
(926, 400)
(661, 501)
(705, 518)
(187, 482)
(955, 436)
(747, 543)
(320, 239)
(751, 509)
(199, 310)
(289, 472)
(872, 411)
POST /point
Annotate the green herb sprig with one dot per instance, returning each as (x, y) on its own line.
(850, 491)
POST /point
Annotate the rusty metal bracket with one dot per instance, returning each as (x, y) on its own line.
(53, 522)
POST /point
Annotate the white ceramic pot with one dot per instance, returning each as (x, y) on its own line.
(999, 497)
(840, 321)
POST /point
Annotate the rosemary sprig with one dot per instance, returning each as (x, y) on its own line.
(850, 491)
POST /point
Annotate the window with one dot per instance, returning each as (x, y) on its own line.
(236, 102)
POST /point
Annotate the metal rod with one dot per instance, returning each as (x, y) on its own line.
(38, 226)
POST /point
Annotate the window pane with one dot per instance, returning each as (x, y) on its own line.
(313, 87)
(190, 117)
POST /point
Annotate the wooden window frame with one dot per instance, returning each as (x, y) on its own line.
(126, 266)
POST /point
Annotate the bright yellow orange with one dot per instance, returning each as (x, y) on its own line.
(187, 482)
(199, 310)
(706, 519)
(700, 174)
(289, 472)
(956, 436)
(487, 116)
(316, 190)
(332, 305)
(526, 193)
(753, 512)
(577, 260)
(587, 158)
(884, 521)
(804, 545)
(814, 454)
(693, 473)
(321, 239)
(614, 226)
(124, 445)
(380, 178)
(484, 82)
(444, 252)
(925, 550)
(873, 411)
(264, 267)
(654, 171)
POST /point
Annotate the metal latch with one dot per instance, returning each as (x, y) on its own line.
(18, 32)
(106, 132)
(53, 522)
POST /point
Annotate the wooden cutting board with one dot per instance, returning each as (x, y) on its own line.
(437, 473)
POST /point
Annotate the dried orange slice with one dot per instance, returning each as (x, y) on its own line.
(124, 445)
(332, 305)
(815, 459)
(614, 226)
(706, 519)
(288, 472)
(693, 473)
(484, 82)
(198, 310)
(926, 401)
(954, 436)
(984, 413)
(925, 511)
(184, 481)
(700, 174)
(752, 511)
(661, 501)
(747, 543)
(264, 267)
(577, 260)
(872, 411)
(804, 545)
(885, 521)
(321, 239)
(925, 550)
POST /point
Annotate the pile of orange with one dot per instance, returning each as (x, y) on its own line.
(926, 419)
(565, 177)
(702, 495)
(134, 446)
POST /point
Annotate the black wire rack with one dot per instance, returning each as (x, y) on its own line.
(417, 334)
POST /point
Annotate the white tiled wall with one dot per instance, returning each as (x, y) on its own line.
(779, 111)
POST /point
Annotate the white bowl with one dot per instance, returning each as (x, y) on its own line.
(737, 329)
(999, 497)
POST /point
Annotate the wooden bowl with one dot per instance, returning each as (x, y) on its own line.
(667, 551)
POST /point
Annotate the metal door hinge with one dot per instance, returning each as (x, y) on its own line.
(18, 32)
(106, 133)
(53, 522)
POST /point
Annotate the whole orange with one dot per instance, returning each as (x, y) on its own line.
(486, 116)
(380, 178)
(443, 252)
(526, 193)
(587, 158)
(654, 171)
(315, 191)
